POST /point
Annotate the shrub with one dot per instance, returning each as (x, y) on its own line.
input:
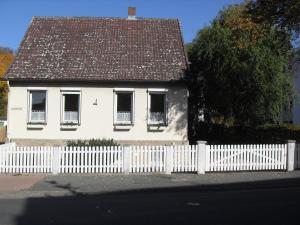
(92, 142)
(269, 133)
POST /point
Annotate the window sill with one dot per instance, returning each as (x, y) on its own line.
(69, 126)
(156, 127)
(36, 125)
(123, 126)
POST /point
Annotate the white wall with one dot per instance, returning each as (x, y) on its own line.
(97, 120)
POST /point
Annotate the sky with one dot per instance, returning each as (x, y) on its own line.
(15, 15)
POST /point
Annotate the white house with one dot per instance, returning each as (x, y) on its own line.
(87, 77)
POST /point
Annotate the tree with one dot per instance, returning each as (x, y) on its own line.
(282, 14)
(6, 58)
(240, 70)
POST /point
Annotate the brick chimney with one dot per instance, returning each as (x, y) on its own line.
(131, 13)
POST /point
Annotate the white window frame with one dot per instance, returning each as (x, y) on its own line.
(66, 91)
(124, 90)
(29, 105)
(161, 91)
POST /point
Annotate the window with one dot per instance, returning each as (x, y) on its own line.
(157, 107)
(71, 107)
(37, 106)
(123, 107)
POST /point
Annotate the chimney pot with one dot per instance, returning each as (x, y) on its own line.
(131, 13)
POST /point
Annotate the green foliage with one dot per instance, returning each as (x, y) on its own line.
(281, 14)
(92, 142)
(6, 58)
(268, 134)
(240, 70)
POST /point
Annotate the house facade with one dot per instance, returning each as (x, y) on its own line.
(82, 78)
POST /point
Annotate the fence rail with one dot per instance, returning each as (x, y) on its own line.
(148, 159)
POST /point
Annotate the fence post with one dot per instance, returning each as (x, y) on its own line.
(169, 159)
(291, 155)
(56, 160)
(201, 157)
(126, 159)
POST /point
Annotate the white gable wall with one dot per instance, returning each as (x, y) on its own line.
(97, 120)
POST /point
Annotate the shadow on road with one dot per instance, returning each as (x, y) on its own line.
(263, 202)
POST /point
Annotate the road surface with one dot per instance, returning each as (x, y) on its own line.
(257, 202)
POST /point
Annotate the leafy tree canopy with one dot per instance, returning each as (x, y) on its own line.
(282, 14)
(6, 58)
(240, 69)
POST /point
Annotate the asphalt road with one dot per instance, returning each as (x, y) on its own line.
(258, 202)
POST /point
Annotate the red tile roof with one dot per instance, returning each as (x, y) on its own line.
(100, 49)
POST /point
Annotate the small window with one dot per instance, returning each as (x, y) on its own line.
(123, 107)
(157, 108)
(70, 107)
(37, 107)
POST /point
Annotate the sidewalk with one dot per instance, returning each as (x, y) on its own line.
(9, 183)
(76, 184)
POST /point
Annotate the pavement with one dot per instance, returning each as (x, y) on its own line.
(214, 199)
(72, 184)
(18, 183)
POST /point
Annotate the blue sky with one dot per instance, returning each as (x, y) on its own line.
(16, 15)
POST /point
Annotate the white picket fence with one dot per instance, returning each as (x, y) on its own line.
(91, 159)
(246, 157)
(144, 159)
(148, 158)
(25, 159)
(185, 158)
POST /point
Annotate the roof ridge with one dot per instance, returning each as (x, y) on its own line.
(98, 17)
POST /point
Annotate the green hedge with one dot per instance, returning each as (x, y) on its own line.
(92, 142)
(220, 134)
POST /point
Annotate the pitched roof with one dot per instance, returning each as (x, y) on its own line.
(100, 49)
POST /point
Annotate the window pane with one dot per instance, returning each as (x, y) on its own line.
(71, 112)
(72, 102)
(124, 102)
(157, 103)
(38, 105)
(38, 100)
(157, 108)
(124, 107)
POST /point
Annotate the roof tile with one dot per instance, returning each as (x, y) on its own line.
(91, 48)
